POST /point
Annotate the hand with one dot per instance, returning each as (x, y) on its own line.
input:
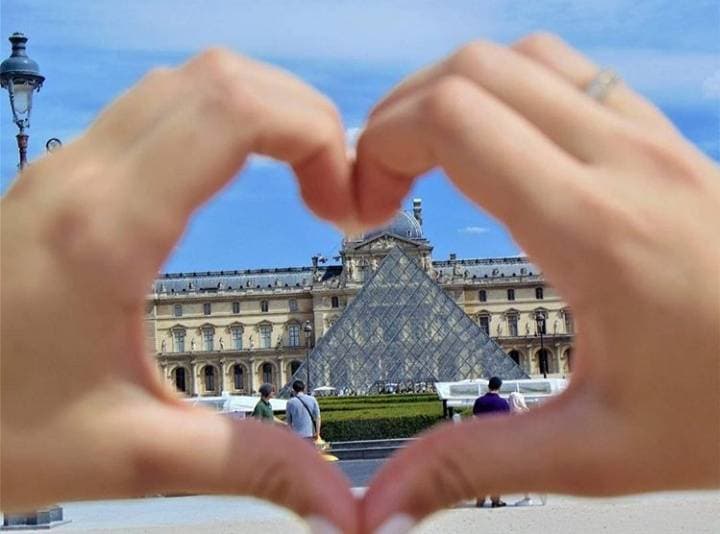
(84, 231)
(623, 216)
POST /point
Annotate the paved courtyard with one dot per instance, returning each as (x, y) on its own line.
(661, 513)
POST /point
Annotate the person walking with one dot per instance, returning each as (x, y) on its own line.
(303, 413)
(491, 403)
(263, 409)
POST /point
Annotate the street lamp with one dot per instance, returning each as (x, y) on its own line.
(21, 76)
(308, 329)
(540, 321)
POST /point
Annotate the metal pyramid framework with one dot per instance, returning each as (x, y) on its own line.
(403, 329)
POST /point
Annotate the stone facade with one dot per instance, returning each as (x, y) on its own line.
(234, 330)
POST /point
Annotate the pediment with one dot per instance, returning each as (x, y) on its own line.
(384, 241)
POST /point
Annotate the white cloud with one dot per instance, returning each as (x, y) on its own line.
(474, 230)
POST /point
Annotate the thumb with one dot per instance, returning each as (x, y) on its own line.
(192, 450)
(556, 447)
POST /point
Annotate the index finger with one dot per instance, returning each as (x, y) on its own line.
(180, 159)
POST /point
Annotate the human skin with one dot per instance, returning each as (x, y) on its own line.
(84, 232)
(615, 206)
(623, 216)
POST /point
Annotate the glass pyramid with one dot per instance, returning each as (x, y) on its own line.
(402, 330)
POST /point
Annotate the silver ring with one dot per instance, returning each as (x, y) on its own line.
(600, 86)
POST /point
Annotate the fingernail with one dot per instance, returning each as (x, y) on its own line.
(397, 524)
(320, 525)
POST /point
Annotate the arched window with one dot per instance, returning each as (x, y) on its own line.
(539, 293)
(239, 377)
(267, 373)
(515, 355)
(482, 295)
(180, 383)
(209, 375)
(294, 366)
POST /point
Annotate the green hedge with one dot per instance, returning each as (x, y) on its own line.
(377, 428)
(377, 399)
(379, 420)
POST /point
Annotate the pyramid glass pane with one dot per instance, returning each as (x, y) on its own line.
(402, 328)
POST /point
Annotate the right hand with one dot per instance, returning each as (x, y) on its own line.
(623, 216)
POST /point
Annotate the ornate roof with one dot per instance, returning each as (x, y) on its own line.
(403, 225)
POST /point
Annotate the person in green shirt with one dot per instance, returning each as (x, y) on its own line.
(263, 410)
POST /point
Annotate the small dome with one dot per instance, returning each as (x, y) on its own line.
(403, 225)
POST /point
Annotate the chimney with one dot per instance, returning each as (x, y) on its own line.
(417, 210)
(453, 256)
(315, 262)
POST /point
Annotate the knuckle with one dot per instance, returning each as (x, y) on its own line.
(216, 61)
(444, 102)
(476, 55)
(538, 44)
(661, 154)
(222, 92)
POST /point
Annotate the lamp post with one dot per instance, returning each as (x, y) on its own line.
(308, 329)
(540, 321)
(21, 77)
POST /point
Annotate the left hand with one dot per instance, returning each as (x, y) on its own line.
(84, 232)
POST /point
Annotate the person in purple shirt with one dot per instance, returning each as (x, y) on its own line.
(490, 403)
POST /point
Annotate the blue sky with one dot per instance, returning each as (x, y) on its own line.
(90, 51)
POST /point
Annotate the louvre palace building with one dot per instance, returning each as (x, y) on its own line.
(387, 312)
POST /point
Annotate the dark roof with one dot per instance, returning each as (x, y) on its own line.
(257, 279)
(488, 267)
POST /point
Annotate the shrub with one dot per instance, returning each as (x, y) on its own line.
(377, 427)
(373, 420)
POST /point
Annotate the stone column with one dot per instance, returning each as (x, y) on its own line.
(251, 379)
(193, 373)
(282, 374)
